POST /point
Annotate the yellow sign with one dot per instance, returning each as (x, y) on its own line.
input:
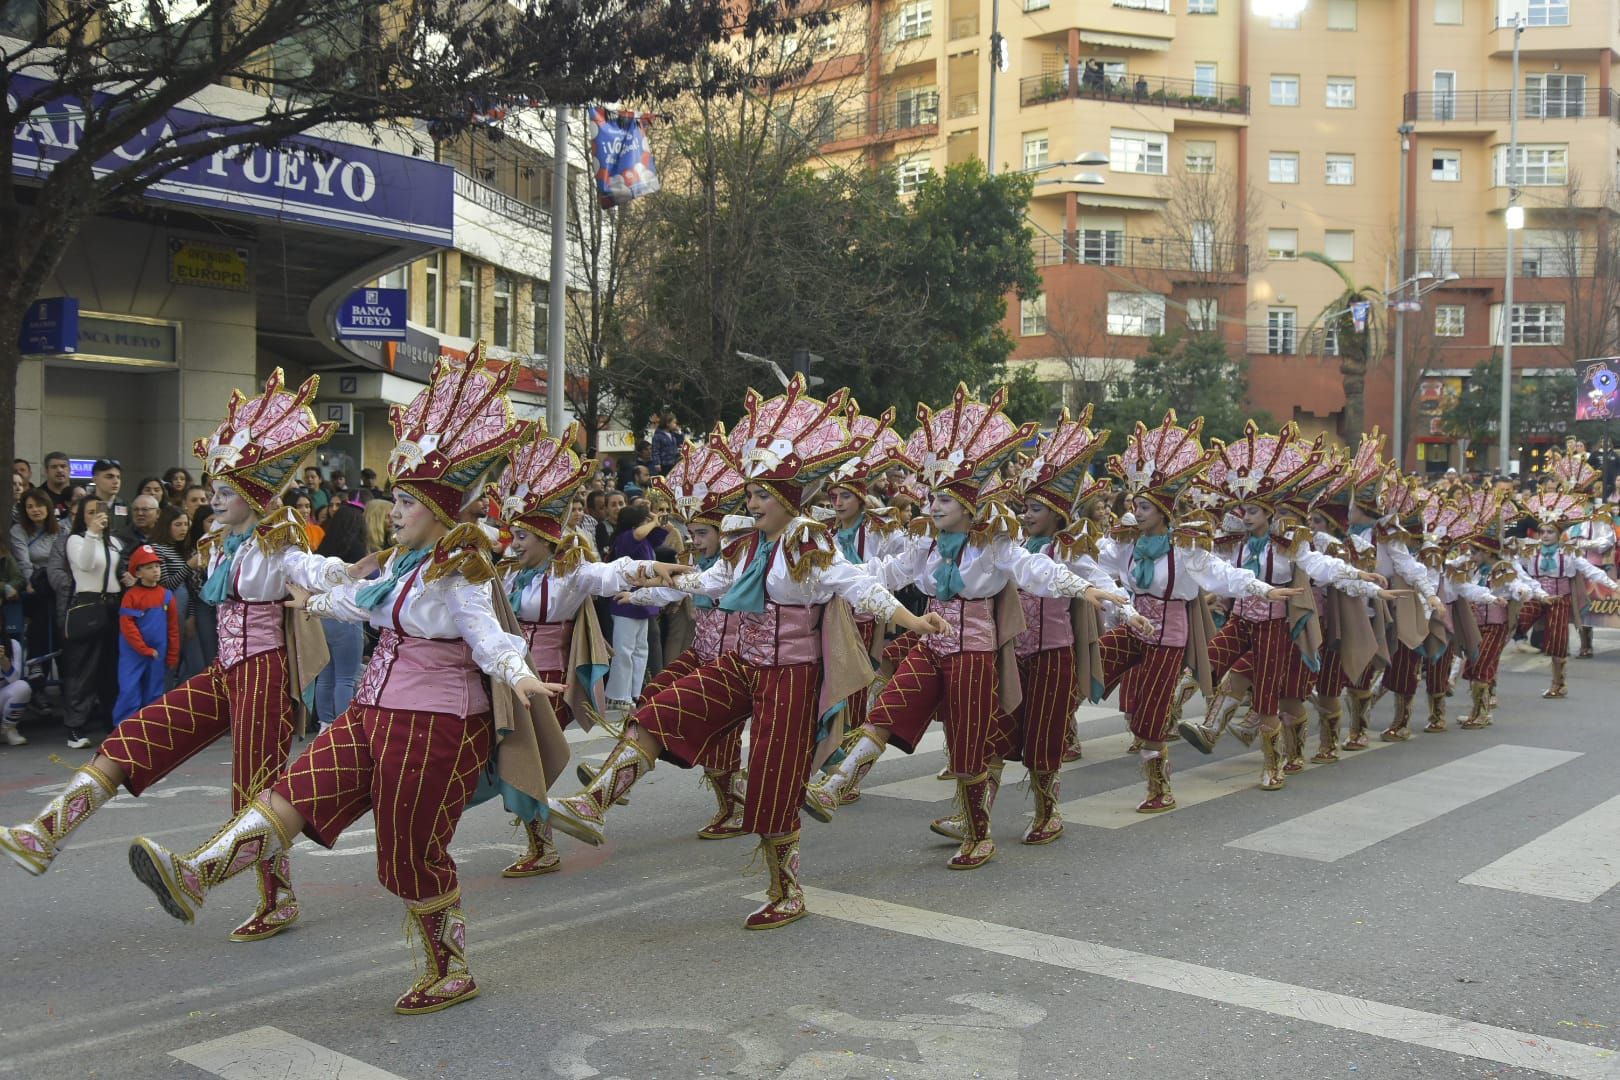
(208, 266)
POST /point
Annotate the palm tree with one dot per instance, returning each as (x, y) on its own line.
(1356, 348)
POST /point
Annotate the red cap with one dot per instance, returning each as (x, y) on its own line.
(144, 555)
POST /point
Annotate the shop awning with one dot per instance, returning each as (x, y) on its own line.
(1125, 41)
(1119, 202)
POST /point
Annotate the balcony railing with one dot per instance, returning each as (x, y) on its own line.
(1142, 253)
(894, 115)
(1474, 106)
(964, 105)
(1144, 5)
(1532, 261)
(500, 202)
(1290, 341)
(1136, 90)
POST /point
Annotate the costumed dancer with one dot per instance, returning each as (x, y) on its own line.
(971, 571)
(1494, 570)
(550, 582)
(1168, 567)
(1560, 572)
(268, 657)
(1594, 538)
(798, 656)
(425, 722)
(1446, 527)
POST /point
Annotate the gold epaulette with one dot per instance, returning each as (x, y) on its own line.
(806, 546)
(1077, 541)
(567, 556)
(1502, 573)
(463, 550)
(883, 519)
(1296, 538)
(280, 530)
(994, 519)
(921, 526)
(1193, 535)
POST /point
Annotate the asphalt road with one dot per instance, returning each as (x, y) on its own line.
(1436, 909)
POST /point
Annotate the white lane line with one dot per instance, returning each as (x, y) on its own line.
(928, 789)
(1331, 833)
(263, 1052)
(1579, 860)
(1449, 1034)
(1116, 809)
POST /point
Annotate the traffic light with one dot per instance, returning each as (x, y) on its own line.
(803, 361)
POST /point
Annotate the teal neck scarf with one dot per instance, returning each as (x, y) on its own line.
(521, 583)
(699, 601)
(1255, 548)
(1549, 559)
(1037, 544)
(1149, 550)
(948, 574)
(217, 589)
(369, 596)
(1361, 530)
(747, 592)
(848, 540)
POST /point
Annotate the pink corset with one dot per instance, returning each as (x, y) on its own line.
(1254, 609)
(780, 635)
(414, 674)
(972, 626)
(248, 628)
(714, 634)
(1169, 619)
(1489, 614)
(1048, 624)
(548, 643)
(1557, 586)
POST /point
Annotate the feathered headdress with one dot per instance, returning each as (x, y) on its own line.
(1492, 518)
(1446, 522)
(883, 452)
(1311, 488)
(1159, 462)
(1057, 475)
(1357, 484)
(790, 443)
(1570, 470)
(453, 433)
(958, 449)
(1554, 508)
(703, 486)
(1260, 469)
(262, 439)
(1401, 497)
(537, 489)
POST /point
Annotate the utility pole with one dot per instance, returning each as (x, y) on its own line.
(1405, 131)
(997, 44)
(1504, 432)
(557, 305)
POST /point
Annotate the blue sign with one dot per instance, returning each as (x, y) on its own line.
(51, 327)
(624, 161)
(308, 181)
(373, 315)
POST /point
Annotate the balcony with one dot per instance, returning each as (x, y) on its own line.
(1490, 107)
(1290, 341)
(896, 118)
(964, 105)
(1194, 94)
(1533, 261)
(1143, 253)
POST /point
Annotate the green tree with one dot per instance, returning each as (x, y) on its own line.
(1356, 347)
(1188, 371)
(1541, 405)
(1028, 398)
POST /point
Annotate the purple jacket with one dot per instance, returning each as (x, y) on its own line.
(625, 545)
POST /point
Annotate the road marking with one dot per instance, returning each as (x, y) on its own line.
(1331, 833)
(1576, 861)
(928, 788)
(263, 1052)
(1449, 1034)
(1116, 809)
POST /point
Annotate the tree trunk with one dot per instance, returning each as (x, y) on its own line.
(1353, 370)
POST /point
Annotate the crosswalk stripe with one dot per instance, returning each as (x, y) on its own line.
(1579, 860)
(1116, 809)
(1449, 1034)
(928, 788)
(268, 1051)
(1331, 833)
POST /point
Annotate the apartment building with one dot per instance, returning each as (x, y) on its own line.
(1235, 143)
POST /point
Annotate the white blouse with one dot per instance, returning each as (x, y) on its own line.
(1195, 569)
(93, 569)
(256, 577)
(985, 570)
(864, 592)
(1395, 563)
(564, 595)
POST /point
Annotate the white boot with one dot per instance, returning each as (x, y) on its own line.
(34, 845)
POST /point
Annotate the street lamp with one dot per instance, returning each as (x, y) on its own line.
(1405, 132)
(1514, 220)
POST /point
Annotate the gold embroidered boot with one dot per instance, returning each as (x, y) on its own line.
(1156, 769)
(542, 857)
(1328, 712)
(1397, 730)
(1437, 714)
(278, 907)
(1048, 823)
(1558, 688)
(730, 787)
(955, 826)
(1203, 736)
(1294, 743)
(1479, 707)
(977, 847)
(1586, 644)
(584, 815)
(34, 845)
(823, 798)
(442, 927)
(181, 881)
(784, 899)
(1360, 708)
(1271, 773)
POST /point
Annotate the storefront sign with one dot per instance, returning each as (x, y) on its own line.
(309, 181)
(51, 327)
(208, 266)
(411, 359)
(373, 315)
(1599, 395)
(125, 339)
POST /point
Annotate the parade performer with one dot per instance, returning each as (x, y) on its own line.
(798, 656)
(1501, 576)
(1594, 538)
(1561, 572)
(425, 721)
(971, 571)
(268, 656)
(1168, 566)
(550, 582)
(1446, 527)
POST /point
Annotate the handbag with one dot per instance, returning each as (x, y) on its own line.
(88, 614)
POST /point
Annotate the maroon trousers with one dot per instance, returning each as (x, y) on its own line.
(1146, 675)
(962, 688)
(1041, 721)
(1482, 668)
(1555, 639)
(252, 701)
(694, 716)
(724, 755)
(1258, 652)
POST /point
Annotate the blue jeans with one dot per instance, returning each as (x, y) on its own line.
(334, 687)
(191, 650)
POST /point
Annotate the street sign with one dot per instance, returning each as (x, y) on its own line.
(373, 315)
(51, 327)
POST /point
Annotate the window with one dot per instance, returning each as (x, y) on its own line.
(1444, 98)
(1449, 320)
(1330, 340)
(1200, 155)
(1200, 7)
(1282, 243)
(1285, 90)
(1202, 253)
(1282, 331)
(911, 172)
(501, 332)
(1533, 324)
(1204, 80)
(1202, 313)
(1137, 151)
(916, 20)
(1284, 167)
(1032, 316)
(915, 106)
(1102, 247)
(1340, 170)
(1037, 5)
(1135, 314)
(397, 278)
(1341, 92)
(1448, 12)
(1546, 13)
(1285, 22)
(1539, 165)
(1339, 245)
(467, 312)
(1341, 14)
(541, 317)
(1446, 166)
(1549, 253)
(1554, 95)
(1440, 238)
(434, 274)
(1036, 145)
